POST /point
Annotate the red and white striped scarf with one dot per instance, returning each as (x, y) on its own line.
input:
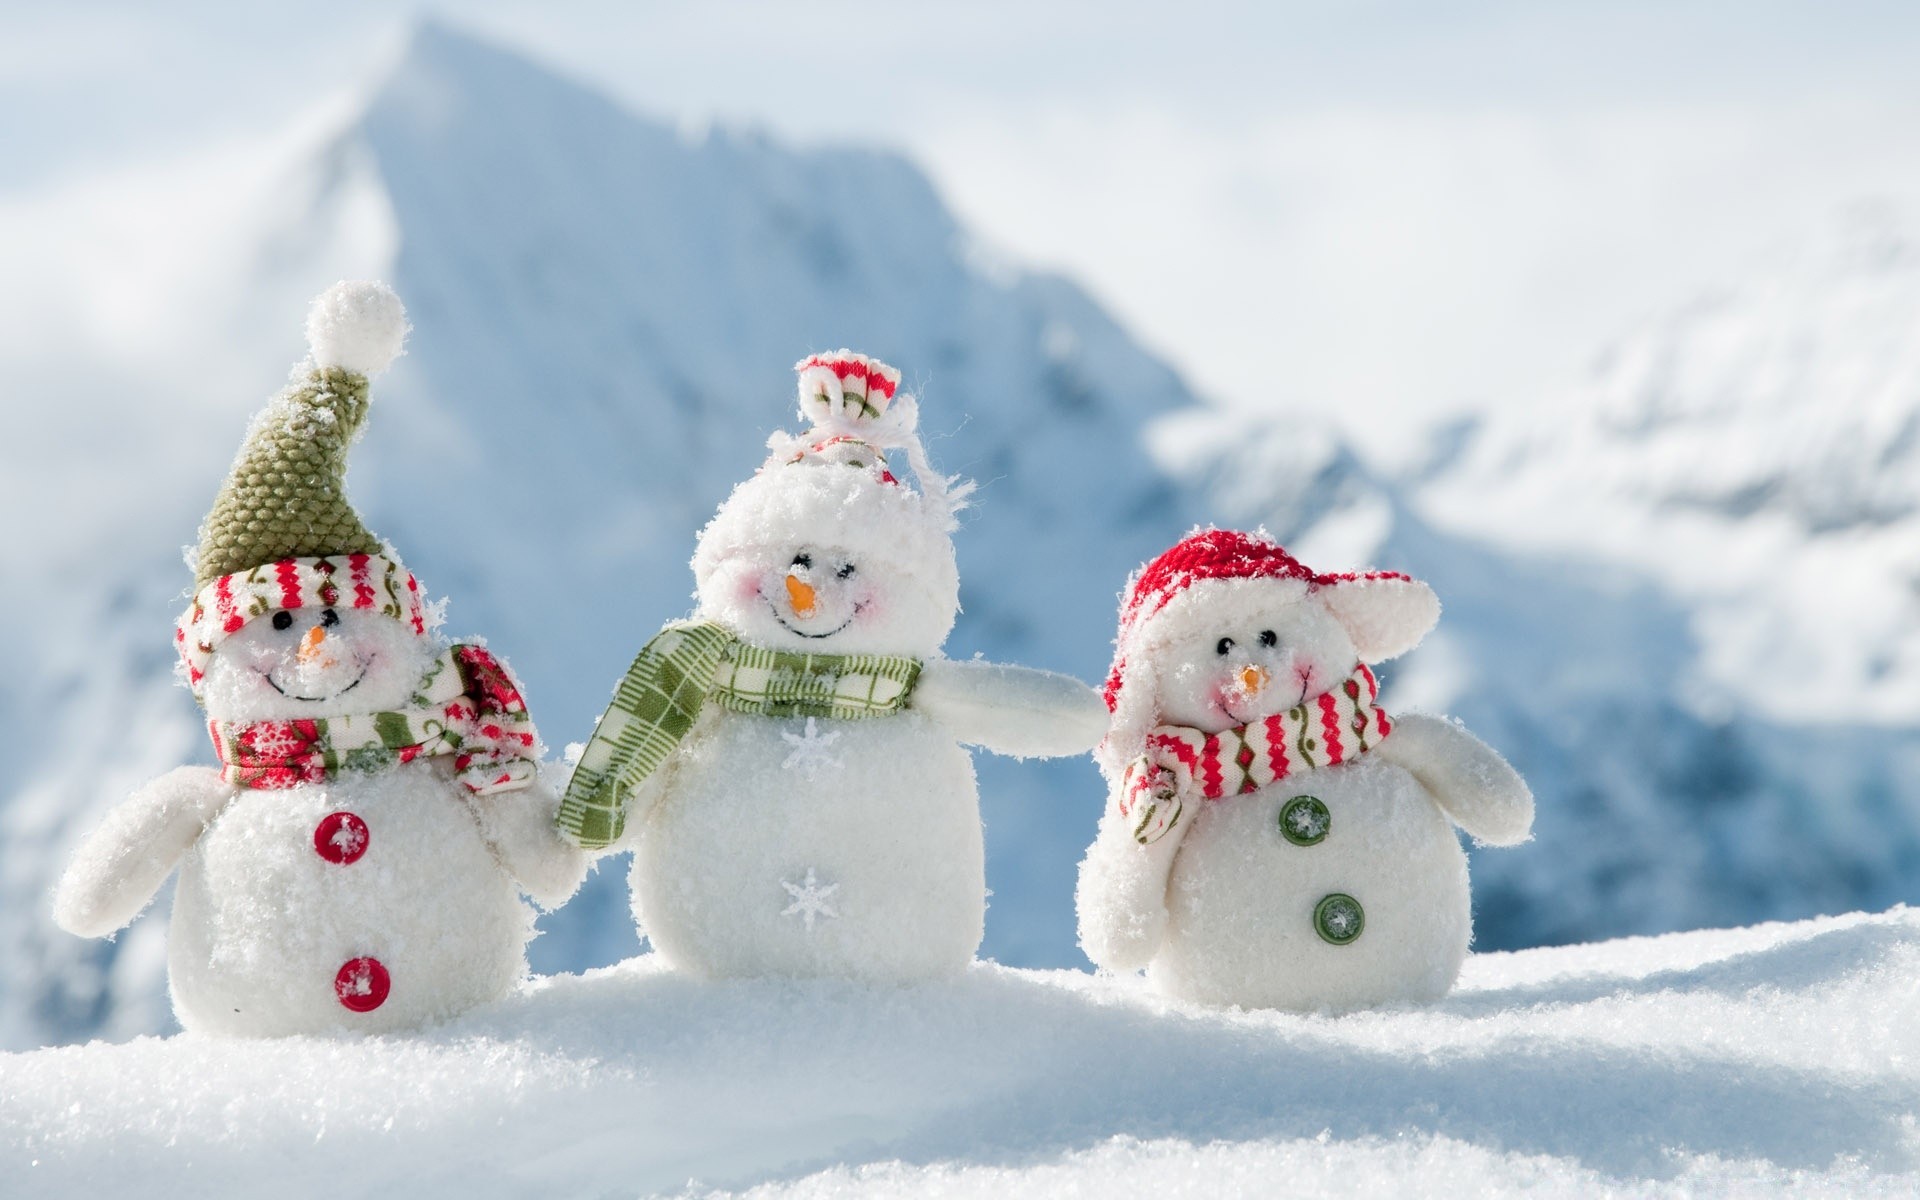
(1338, 725)
(467, 706)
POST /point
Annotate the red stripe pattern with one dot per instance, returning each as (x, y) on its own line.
(1335, 727)
(1212, 554)
(471, 709)
(226, 605)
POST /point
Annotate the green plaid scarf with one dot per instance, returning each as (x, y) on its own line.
(688, 664)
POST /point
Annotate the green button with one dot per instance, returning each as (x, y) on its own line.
(1338, 918)
(1304, 821)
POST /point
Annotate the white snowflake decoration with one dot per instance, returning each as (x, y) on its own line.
(809, 899)
(811, 751)
(348, 838)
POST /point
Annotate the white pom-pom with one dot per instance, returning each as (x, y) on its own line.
(357, 324)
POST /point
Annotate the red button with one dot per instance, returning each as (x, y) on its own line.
(362, 984)
(341, 838)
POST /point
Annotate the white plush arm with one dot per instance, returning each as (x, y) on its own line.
(519, 826)
(1011, 710)
(1468, 778)
(122, 863)
(1122, 894)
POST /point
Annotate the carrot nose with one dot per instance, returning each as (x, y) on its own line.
(1254, 680)
(800, 595)
(312, 646)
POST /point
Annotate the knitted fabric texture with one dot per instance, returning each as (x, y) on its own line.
(225, 605)
(1334, 727)
(467, 705)
(675, 675)
(1212, 554)
(286, 494)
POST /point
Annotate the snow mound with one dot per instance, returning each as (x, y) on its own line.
(1782, 1056)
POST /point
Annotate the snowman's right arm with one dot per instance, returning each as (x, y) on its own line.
(520, 826)
(120, 866)
(1011, 710)
(1466, 777)
(1122, 893)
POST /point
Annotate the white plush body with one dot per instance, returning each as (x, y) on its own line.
(262, 923)
(856, 854)
(1209, 895)
(1240, 897)
(891, 824)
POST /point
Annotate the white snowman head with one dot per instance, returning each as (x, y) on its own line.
(1226, 628)
(315, 662)
(824, 549)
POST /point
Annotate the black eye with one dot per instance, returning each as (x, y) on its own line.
(846, 572)
(283, 620)
(329, 618)
(803, 560)
(1222, 646)
(1267, 638)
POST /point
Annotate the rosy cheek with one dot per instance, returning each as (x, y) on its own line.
(747, 587)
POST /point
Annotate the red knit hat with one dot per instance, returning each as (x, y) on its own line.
(1385, 612)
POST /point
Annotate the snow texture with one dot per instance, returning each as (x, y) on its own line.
(1782, 1060)
(357, 325)
(620, 301)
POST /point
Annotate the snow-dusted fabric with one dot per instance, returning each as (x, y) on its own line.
(675, 675)
(467, 705)
(1334, 727)
(1385, 614)
(222, 608)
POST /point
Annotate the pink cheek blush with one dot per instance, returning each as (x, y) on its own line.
(747, 586)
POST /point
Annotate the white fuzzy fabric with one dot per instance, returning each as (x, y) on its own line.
(1384, 617)
(1220, 909)
(896, 539)
(836, 848)
(357, 324)
(369, 662)
(1011, 710)
(886, 817)
(1238, 898)
(117, 869)
(262, 923)
(1476, 787)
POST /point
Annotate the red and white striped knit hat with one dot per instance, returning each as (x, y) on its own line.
(1216, 576)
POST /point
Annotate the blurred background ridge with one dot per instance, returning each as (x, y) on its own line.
(1680, 589)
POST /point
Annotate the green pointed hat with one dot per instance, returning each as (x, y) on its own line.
(286, 494)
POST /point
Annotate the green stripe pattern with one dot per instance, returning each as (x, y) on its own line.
(688, 664)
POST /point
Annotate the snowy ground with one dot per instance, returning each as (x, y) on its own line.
(1782, 1057)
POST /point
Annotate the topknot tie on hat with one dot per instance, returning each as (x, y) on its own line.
(844, 392)
(857, 413)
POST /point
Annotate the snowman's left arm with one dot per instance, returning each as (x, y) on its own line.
(1470, 781)
(1011, 710)
(519, 826)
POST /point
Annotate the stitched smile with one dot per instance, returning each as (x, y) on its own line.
(316, 699)
(803, 633)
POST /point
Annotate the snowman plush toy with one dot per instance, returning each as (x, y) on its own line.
(356, 861)
(1273, 839)
(787, 765)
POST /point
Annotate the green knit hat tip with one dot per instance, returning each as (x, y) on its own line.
(286, 494)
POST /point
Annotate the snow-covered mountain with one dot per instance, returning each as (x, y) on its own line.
(606, 311)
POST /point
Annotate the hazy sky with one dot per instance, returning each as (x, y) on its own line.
(1379, 211)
